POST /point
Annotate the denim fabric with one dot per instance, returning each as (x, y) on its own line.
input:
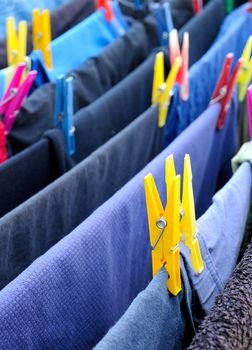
(62, 19)
(204, 74)
(76, 291)
(98, 33)
(154, 320)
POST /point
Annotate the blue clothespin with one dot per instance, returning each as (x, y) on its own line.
(168, 17)
(138, 4)
(63, 115)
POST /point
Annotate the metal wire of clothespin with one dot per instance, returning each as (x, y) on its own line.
(225, 87)
(161, 88)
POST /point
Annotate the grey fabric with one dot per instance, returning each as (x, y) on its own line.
(243, 123)
(32, 228)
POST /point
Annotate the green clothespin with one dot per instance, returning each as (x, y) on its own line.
(229, 6)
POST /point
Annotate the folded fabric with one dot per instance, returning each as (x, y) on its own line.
(204, 75)
(220, 233)
(21, 10)
(91, 80)
(155, 319)
(98, 33)
(62, 19)
(229, 325)
(94, 125)
(77, 290)
(244, 155)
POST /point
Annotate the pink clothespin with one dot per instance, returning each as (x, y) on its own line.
(14, 96)
(3, 150)
(105, 4)
(197, 6)
(182, 77)
(249, 9)
(250, 110)
(225, 87)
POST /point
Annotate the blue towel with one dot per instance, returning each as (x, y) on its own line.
(221, 231)
(204, 74)
(76, 291)
(83, 41)
(21, 10)
(155, 320)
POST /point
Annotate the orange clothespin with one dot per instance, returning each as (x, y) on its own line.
(225, 87)
(182, 77)
(105, 4)
(172, 225)
(161, 88)
(197, 6)
(41, 34)
(164, 230)
(16, 41)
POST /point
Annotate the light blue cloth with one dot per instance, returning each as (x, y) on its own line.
(22, 10)
(155, 319)
(204, 74)
(83, 41)
(221, 231)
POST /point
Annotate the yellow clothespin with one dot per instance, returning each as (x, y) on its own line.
(161, 89)
(41, 34)
(188, 221)
(245, 75)
(16, 41)
(164, 227)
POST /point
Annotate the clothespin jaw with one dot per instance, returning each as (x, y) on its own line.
(106, 5)
(245, 74)
(16, 41)
(3, 149)
(64, 111)
(164, 230)
(41, 34)
(182, 77)
(225, 86)
(249, 8)
(249, 98)
(188, 220)
(229, 6)
(197, 6)
(161, 90)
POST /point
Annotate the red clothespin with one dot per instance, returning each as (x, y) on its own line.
(249, 9)
(3, 150)
(225, 87)
(14, 96)
(197, 6)
(182, 77)
(105, 4)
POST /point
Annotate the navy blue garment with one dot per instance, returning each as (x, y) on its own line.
(142, 139)
(91, 80)
(99, 75)
(62, 19)
(94, 125)
(77, 290)
(155, 319)
(204, 75)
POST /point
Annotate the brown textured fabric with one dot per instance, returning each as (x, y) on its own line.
(62, 19)
(229, 325)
